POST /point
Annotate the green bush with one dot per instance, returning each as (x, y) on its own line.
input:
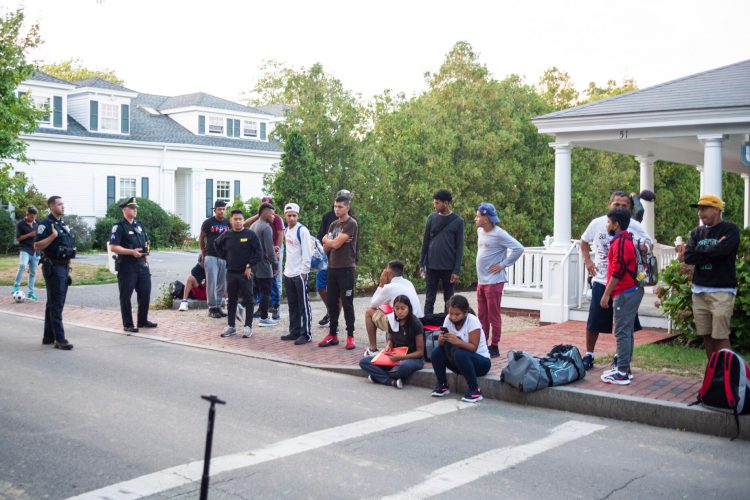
(7, 232)
(675, 297)
(82, 231)
(179, 232)
(30, 197)
(102, 232)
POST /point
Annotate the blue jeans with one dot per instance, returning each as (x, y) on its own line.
(26, 259)
(469, 364)
(383, 375)
(276, 281)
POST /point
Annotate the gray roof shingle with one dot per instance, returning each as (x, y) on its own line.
(100, 83)
(725, 87)
(201, 99)
(41, 76)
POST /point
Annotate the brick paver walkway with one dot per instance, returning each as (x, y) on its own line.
(194, 327)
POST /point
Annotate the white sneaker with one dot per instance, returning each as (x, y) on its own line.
(228, 331)
(370, 352)
(247, 332)
(183, 305)
(267, 322)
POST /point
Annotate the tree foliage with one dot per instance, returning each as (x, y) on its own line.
(73, 70)
(17, 112)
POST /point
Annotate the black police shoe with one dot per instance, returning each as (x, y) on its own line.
(148, 324)
(63, 345)
(131, 329)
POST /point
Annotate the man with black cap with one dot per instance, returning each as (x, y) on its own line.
(130, 241)
(216, 267)
(57, 241)
(712, 249)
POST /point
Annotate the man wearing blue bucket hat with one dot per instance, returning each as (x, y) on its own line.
(493, 259)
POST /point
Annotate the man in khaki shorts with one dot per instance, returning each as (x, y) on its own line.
(392, 284)
(712, 249)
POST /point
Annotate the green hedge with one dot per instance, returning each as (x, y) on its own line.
(164, 229)
(7, 232)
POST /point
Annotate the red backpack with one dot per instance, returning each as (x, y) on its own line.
(726, 385)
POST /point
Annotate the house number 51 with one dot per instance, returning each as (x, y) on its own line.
(623, 134)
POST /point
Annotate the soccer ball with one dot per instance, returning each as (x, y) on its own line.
(19, 296)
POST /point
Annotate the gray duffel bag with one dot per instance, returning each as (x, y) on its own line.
(528, 373)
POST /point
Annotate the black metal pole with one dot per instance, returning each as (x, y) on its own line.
(214, 400)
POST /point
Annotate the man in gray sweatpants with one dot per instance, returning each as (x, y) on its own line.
(216, 267)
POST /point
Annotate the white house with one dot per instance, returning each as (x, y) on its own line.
(100, 142)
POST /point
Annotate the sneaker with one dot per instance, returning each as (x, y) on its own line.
(247, 332)
(613, 365)
(324, 322)
(17, 288)
(214, 312)
(371, 352)
(474, 396)
(302, 339)
(31, 296)
(350, 343)
(289, 336)
(183, 305)
(440, 391)
(588, 362)
(275, 315)
(397, 383)
(228, 331)
(63, 345)
(369, 377)
(616, 377)
(329, 340)
(267, 322)
(494, 351)
(614, 370)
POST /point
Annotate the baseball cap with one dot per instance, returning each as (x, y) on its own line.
(220, 204)
(346, 193)
(488, 209)
(709, 200)
(291, 207)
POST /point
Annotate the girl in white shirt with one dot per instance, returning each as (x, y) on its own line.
(462, 347)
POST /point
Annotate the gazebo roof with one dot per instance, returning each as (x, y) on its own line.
(664, 121)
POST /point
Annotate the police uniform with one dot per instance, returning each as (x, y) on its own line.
(133, 273)
(56, 271)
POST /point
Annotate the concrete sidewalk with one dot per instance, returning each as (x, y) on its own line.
(652, 398)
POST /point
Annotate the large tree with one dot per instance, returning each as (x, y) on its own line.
(73, 69)
(17, 112)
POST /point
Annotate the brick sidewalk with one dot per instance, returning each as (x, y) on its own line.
(194, 327)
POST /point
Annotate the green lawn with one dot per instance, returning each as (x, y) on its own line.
(671, 358)
(82, 274)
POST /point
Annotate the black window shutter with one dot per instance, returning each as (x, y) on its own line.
(144, 187)
(201, 124)
(57, 111)
(230, 129)
(94, 115)
(125, 118)
(236, 128)
(237, 190)
(262, 131)
(110, 190)
(209, 197)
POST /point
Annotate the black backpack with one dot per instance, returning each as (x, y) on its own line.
(177, 289)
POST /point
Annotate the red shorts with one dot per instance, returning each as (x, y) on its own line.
(198, 293)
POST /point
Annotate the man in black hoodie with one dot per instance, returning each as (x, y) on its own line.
(241, 249)
(712, 249)
(442, 249)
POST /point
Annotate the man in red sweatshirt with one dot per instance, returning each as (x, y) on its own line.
(622, 287)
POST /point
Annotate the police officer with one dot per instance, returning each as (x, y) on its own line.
(131, 243)
(57, 241)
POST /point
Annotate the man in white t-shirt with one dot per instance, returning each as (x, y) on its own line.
(392, 284)
(296, 271)
(600, 319)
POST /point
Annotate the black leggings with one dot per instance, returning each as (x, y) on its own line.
(341, 288)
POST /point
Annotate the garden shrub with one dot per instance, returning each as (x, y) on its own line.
(7, 232)
(675, 297)
(179, 231)
(82, 231)
(102, 232)
(154, 218)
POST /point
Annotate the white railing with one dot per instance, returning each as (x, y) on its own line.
(526, 273)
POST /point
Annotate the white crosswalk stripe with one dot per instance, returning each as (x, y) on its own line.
(173, 477)
(468, 470)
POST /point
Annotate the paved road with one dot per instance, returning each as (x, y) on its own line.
(116, 409)
(165, 267)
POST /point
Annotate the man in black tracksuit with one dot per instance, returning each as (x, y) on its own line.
(241, 249)
(442, 249)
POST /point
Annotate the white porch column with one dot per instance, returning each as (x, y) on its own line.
(711, 163)
(647, 182)
(197, 206)
(560, 264)
(746, 178)
(562, 212)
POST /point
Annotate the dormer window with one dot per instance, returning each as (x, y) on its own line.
(43, 105)
(110, 117)
(216, 125)
(250, 128)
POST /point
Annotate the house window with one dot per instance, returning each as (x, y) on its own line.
(222, 190)
(127, 187)
(110, 117)
(250, 128)
(215, 125)
(43, 104)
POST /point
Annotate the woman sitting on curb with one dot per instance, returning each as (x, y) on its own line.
(462, 348)
(404, 330)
